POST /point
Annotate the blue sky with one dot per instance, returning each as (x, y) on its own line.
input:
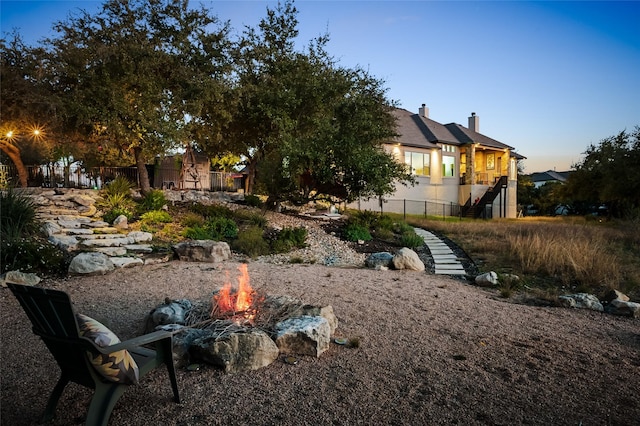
(548, 78)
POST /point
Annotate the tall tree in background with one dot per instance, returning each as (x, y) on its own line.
(27, 110)
(308, 127)
(139, 72)
(609, 174)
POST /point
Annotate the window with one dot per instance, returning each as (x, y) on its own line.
(448, 165)
(418, 162)
(448, 148)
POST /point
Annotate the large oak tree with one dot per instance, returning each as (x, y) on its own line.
(138, 73)
(308, 127)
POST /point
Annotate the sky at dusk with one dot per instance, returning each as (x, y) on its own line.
(548, 78)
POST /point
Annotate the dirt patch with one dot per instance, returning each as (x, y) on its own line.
(433, 350)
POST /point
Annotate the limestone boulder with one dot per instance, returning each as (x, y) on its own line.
(91, 263)
(121, 222)
(581, 301)
(489, 279)
(305, 335)
(64, 242)
(406, 258)
(50, 228)
(623, 308)
(376, 260)
(612, 295)
(202, 251)
(170, 312)
(140, 236)
(238, 351)
(127, 262)
(18, 277)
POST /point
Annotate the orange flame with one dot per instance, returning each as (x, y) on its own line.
(229, 303)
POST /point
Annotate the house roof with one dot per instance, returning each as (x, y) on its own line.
(416, 130)
(550, 175)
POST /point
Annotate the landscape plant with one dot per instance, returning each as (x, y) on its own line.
(23, 246)
(115, 199)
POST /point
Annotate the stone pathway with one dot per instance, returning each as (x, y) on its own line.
(444, 259)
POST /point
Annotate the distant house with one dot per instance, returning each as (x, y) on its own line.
(540, 178)
(456, 167)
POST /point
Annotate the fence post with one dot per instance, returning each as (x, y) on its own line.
(404, 208)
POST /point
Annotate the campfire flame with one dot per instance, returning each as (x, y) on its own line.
(228, 303)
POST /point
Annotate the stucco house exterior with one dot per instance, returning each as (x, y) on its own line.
(458, 170)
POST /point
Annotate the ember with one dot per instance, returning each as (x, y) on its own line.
(235, 304)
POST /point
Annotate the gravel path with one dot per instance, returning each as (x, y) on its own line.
(433, 350)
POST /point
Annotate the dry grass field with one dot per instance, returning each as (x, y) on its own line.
(552, 255)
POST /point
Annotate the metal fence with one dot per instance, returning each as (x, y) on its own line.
(418, 208)
(73, 176)
(56, 176)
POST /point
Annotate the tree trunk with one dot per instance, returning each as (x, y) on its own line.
(13, 152)
(143, 176)
(251, 177)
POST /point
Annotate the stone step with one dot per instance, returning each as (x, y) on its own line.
(111, 251)
(106, 242)
(450, 272)
(94, 236)
(139, 248)
(127, 262)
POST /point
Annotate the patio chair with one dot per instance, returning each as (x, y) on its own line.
(109, 370)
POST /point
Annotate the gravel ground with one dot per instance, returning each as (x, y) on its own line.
(433, 350)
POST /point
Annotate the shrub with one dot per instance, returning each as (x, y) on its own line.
(385, 234)
(403, 228)
(221, 228)
(297, 236)
(116, 200)
(212, 210)
(18, 215)
(21, 248)
(384, 222)
(197, 233)
(32, 254)
(191, 220)
(112, 214)
(251, 242)
(120, 186)
(156, 217)
(354, 232)
(366, 219)
(253, 200)
(154, 200)
(215, 228)
(250, 218)
(411, 240)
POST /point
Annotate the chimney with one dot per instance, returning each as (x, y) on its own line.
(474, 122)
(423, 111)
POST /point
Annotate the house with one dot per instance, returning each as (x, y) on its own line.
(540, 178)
(458, 170)
(187, 171)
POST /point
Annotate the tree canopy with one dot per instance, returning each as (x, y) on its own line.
(308, 127)
(137, 73)
(609, 174)
(141, 78)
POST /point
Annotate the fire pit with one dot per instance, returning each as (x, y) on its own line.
(241, 329)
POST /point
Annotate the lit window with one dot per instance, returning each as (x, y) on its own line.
(417, 162)
(448, 165)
